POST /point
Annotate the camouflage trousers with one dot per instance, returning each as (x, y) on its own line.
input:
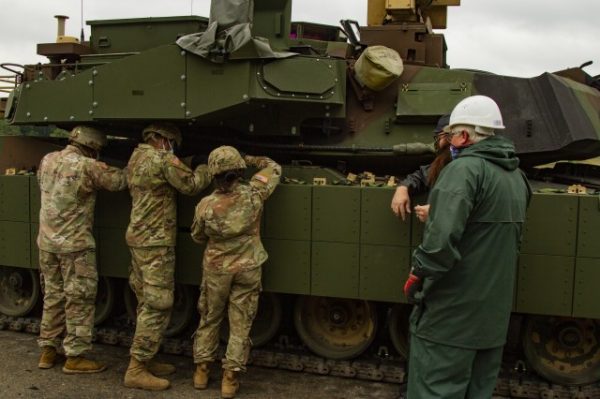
(239, 293)
(152, 280)
(70, 284)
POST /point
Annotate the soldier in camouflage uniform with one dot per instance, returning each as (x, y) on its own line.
(68, 182)
(155, 175)
(229, 219)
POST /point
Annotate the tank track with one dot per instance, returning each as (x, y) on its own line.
(513, 382)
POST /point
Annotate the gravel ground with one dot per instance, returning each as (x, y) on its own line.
(21, 378)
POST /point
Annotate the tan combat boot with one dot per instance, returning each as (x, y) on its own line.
(160, 369)
(81, 365)
(201, 376)
(138, 376)
(49, 357)
(230, 384)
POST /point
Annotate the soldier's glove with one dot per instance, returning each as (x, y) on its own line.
(412, 285)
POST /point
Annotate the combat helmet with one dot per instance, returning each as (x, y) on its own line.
(88, 136)
(164, 129)
(223, 159)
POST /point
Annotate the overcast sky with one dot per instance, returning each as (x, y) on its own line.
(510, 37)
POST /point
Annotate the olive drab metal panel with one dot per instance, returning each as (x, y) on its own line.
(14, 198)
(272, 20)
(384, 249)
(15, 244)
(287, 233)
(383, 270)
(121, 36)
(312, 76)
(288, 268)
(72, 94)
(213, 87)
(589, 225)
(378, 224)
(34, 228)
(150, 85)
(545, 284)
(430, 99)
(417, 228)
(335, 235)
(112, 209)
(35, 200)
(336, 214)
(287, 213)
(186, 206)
(551, 225)
(335, 269)
(112, 253)
(188, 260)
(586, 296)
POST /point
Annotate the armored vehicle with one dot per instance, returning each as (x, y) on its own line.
(348, 110)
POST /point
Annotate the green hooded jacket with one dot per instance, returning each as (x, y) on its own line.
(470, 247)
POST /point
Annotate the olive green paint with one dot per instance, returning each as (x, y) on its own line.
(378, 223)
(586, 296)
(383, 270)
(125, 35)
(15, 244)
(112, 252)
(14, 198)
(553, 217)
(188, 260)
(336, 214)
(75, 94)
(335, 269)
(589, 225)
(34, 251)
(287, 213)
(112, 209)
(149, 86)
(288, 268)
(545, 284)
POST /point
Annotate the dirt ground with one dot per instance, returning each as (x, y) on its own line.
(21, 378)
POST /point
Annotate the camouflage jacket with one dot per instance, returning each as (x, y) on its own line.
(154, 176)
(68, 184)
(230, 221)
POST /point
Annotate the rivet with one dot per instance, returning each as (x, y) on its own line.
(94, 72)
(182, 77)
(182, 105)
(71, 117)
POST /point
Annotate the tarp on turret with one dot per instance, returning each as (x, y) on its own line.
(229, 34)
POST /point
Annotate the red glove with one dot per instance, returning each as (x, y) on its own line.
(412, 286)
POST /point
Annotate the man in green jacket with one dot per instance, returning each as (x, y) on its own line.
(463, 273)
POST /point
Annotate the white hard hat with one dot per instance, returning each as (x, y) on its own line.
(478, 111)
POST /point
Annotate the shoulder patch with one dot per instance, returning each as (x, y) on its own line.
(261, 178)
(175, 161)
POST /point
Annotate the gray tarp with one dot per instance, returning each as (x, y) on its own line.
(229, 30)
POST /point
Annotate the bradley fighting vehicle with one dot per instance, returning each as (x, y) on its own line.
(348, 111)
